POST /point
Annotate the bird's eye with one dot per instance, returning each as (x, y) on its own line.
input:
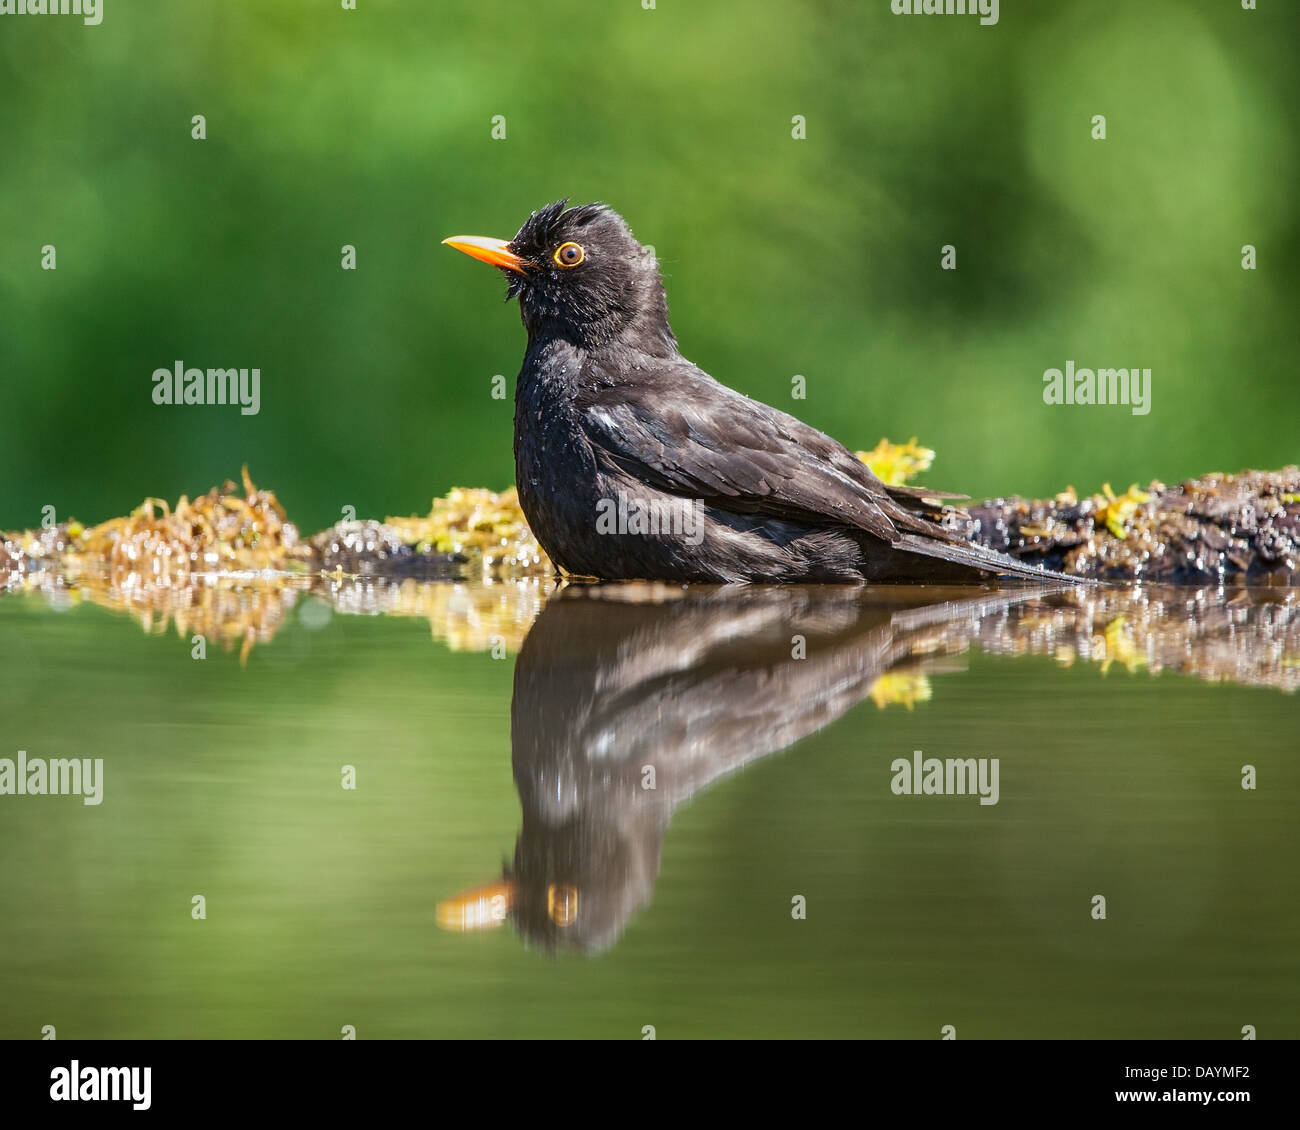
(569, 255)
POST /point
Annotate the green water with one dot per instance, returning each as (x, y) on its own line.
(772, 780)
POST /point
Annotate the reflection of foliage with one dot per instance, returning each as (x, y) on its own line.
(1116, 645)
(901, 688)
(466, 617)
(242, 609)
(228, 610)
(1251, 636)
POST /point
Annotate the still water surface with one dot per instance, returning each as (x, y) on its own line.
(502, 867)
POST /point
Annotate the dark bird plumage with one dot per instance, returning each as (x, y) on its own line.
(611, 419)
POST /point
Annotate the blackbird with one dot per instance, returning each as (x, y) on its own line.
(631, 462)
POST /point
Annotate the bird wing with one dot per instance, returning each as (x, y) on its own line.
(679, 430)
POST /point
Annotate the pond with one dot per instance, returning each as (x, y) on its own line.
(516, 809)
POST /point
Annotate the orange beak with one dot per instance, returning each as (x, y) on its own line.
(494, 251)
(483, 908)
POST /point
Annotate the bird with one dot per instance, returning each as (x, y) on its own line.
(633, 463)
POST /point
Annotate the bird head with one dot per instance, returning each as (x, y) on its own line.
(580, 274)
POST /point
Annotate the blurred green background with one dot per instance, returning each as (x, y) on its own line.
(817, 257)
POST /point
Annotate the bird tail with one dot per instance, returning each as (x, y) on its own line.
(977, 557)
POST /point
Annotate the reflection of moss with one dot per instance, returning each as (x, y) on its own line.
(1249, 636)
(1115, 645)
(901, 688)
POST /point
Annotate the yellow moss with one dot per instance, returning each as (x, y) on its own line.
(1115, 512)
(479, 524)
(896, 463)
(218, 531)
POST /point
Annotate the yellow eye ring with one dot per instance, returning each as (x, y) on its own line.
(569, 255)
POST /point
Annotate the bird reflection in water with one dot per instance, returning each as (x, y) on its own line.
(620, 687)
(624, 708)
